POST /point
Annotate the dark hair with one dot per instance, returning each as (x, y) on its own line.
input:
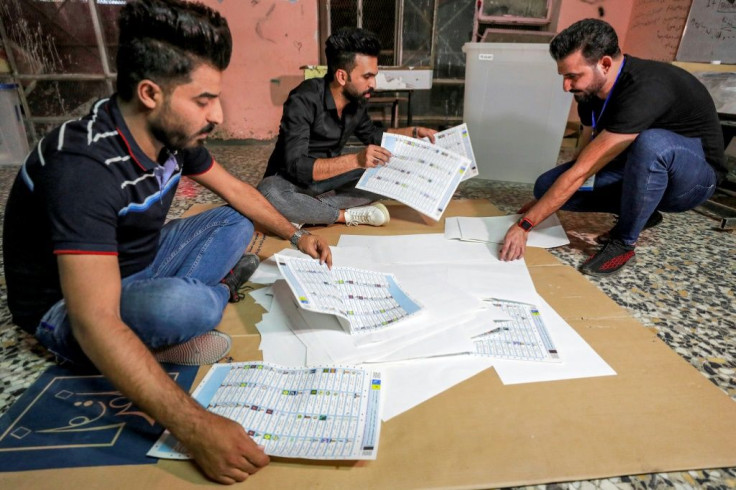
(594, 37)
(342, 46)
(164, 40)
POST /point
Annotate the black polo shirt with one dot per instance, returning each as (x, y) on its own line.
(651, 94)
(310, 129)
(86, 188)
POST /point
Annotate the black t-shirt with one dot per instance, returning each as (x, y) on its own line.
(311, 129)
(86, 188)
(651, 94)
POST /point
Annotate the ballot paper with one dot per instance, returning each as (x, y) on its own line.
(425, 335)
(457, 139)
(547, 234)
(419, 174)
(326, 412)
(524, 336)
(363, 300)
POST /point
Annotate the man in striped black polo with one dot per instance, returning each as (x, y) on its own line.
(92, 270)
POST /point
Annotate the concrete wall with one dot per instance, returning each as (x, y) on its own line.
(271, 40)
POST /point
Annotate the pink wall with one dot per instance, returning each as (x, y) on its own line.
(616, 12)
(271, 40)
(656, 28)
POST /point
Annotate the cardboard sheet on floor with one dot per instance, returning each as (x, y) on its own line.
(658, 414)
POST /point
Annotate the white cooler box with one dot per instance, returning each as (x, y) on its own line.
(515, 109)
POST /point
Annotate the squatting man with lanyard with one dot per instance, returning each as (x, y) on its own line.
(91, 268)
(651, 141)
(307, 178)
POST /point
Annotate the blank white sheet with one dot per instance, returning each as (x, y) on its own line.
(278, 342)
(547, 234)
(263, 297)
(431, 248)
(410, 383)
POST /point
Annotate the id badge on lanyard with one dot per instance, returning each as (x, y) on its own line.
(589, 183)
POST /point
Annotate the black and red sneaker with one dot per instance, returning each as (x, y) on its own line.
(610, 259)
(239, 274)
(655, 219)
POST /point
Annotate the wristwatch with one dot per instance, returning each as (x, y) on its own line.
(525, 224)
(294, 240)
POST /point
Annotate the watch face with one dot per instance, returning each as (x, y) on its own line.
(525, 224)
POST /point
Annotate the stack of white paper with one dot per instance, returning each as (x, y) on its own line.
(452, 280)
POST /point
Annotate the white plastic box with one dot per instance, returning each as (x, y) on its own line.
(515, 109)
(13, 140)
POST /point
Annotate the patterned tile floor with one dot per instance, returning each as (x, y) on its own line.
(683, 285)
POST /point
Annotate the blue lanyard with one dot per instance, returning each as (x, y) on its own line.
(605, 103)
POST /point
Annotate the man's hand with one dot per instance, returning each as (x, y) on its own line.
(223, 450)
(316, 247)
(514, 244)
(373, 156)
(425, 133)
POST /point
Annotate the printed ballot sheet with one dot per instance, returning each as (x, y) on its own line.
(419, 174)
(311, 413)
(457, 139)
(364, 300)
(524, 336)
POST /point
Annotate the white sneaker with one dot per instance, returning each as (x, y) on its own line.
(374, 214)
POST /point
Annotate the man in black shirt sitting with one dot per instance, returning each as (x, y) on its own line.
(651, 141)
(307, 178)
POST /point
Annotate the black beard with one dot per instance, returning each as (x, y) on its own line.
(584, 98)
(176, 140)
(172, 140)
(357, 99)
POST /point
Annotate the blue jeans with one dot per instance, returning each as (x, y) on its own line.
(179, 295)
(318, 204)
(660, 170)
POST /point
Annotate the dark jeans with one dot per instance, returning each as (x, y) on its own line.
(318, 204)
(660, 170)
(179, 295)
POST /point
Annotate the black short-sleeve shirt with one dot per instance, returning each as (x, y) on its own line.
(86, 188)
(651, 94)
(310, 129)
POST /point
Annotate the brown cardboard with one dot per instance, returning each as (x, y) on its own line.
(571, 294)
(658, 414)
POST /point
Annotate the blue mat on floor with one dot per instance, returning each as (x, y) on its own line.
(71, 418)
